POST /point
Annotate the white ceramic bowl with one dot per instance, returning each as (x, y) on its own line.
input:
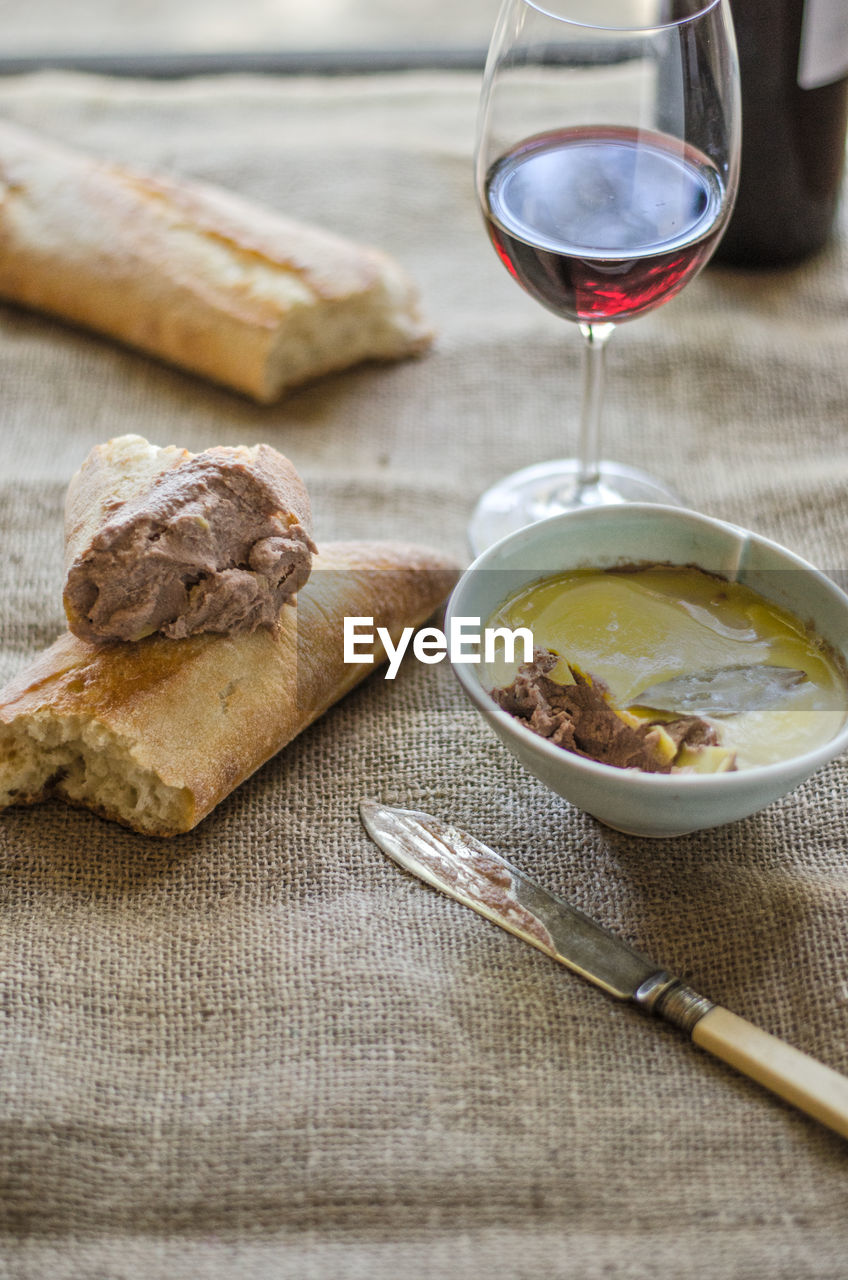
(626, 799)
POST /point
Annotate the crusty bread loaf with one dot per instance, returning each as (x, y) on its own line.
(160, 539)
(154, 734)
(193, 274)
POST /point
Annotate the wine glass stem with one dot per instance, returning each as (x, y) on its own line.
(588, 453)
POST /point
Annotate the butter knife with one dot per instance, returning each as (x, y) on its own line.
(472, 873)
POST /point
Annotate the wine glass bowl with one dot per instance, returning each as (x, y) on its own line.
(606, 166)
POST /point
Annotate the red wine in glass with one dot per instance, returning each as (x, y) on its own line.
(602, 224)
(606, 165)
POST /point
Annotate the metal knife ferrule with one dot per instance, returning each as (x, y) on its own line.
(669, 998)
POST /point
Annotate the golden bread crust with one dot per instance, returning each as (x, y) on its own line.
(191, 719)
(193, 274)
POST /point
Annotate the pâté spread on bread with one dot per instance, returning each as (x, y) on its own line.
(153, 732)
(162, 540)
(606, 637)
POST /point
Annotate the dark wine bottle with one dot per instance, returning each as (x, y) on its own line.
(793, 58)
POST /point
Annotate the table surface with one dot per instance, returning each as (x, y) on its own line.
(260, 1049)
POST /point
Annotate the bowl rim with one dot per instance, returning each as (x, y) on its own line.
(805, 763)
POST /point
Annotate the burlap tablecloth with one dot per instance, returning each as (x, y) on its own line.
(260, 1050)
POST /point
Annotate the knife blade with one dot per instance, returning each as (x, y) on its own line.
(721, 691)
(455, 862)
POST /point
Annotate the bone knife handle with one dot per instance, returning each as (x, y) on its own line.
(792, 1075)
(808, 1084)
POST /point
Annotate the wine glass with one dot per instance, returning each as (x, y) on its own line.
(606, 167)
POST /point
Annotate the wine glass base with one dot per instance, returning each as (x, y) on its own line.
(550, 488)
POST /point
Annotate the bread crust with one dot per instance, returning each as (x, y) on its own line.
(188, 720)
(193, 274)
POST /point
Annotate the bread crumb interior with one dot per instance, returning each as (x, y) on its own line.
(88, 765)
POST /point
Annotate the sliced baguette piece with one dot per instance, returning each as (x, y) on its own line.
(192, 273)
(163, 540)
(155, 734)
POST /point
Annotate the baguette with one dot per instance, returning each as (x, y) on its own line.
(193, 274)
(156, 733)
(163, 540)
